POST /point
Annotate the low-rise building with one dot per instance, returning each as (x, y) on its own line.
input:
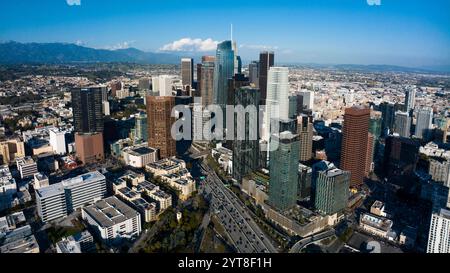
(8, 187)
(27, 167)
(113, 220)
(82, 242)
(20, 240)
(139, 156)
(378, 226)
(40, 181)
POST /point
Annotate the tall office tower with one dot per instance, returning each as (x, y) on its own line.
(89, 147)
(165, 85)
(87, 110)
(402, 125)
(441, 129)
(332, 187)
(253, 73)
(355, 141)
(144, 83)
(141, 127)
(58, 141)
(308, 99)
(293, 114)
(60, 199)
(223, 70)
(200, 119)
(238, 81)
(306, 132)
(388, 117)
(439, 236)
(187, 72)
(400, 156)
(410, 98)
(375, 124)
(424, 123)
(160, 121)
(246, 147)
(155, 84)
(283, 185)
(207, 80)
(266, 61)
(277, 97)
(304, 181)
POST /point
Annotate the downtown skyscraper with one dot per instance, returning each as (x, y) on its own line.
(356, 144)
(160, 121)
(283, 186)
(424, 123)
(223, 70)
(88, 123)
(206, 80)
(266, 61)
(187, 72)
(246, 150)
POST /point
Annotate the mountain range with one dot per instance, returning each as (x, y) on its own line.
(64, 53)
(58, 53)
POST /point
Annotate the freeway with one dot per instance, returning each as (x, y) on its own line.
(245, 235)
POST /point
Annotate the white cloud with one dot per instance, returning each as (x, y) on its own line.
(189, 44)
(80, 43)
(374, 2)
(259, 47)
(73, 2)
(122, 45)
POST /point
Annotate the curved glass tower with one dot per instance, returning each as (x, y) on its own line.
(223, 70)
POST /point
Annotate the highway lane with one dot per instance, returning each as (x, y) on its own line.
(246, 235)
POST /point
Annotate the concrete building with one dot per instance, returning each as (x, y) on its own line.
(206, 81)
(440, 171)
(40, 181)
(113, 220)
(439, 236)
(82, 242)
(308, 99)
(10, 150)
(19, 241)
(61, 199)
(58, 141)
(139, 156)
(27, 167)
(8, 187)
(377, 225)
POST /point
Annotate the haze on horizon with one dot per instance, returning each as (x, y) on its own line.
(410, 33)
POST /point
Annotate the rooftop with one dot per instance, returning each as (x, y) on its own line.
(110, 211)
(72, 182)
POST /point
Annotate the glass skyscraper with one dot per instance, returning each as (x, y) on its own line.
(332, 191)
(246, 151)
(223, 70)
(283, 186)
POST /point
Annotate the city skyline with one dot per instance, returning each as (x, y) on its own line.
(405, 33)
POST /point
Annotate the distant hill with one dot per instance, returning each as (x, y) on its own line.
(57, 53)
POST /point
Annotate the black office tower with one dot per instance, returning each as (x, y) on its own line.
(87, 110)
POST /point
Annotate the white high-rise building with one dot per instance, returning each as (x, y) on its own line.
(439, 236)
(155, 84)
(58, 141)
(277, 101)
(308, 99)
(410, 98)
(424, 122)
(165, 85)
(402, 124)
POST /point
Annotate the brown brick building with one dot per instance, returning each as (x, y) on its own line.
(89, 147)
(160, 121)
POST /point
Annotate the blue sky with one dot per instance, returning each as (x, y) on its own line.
(400, 32)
